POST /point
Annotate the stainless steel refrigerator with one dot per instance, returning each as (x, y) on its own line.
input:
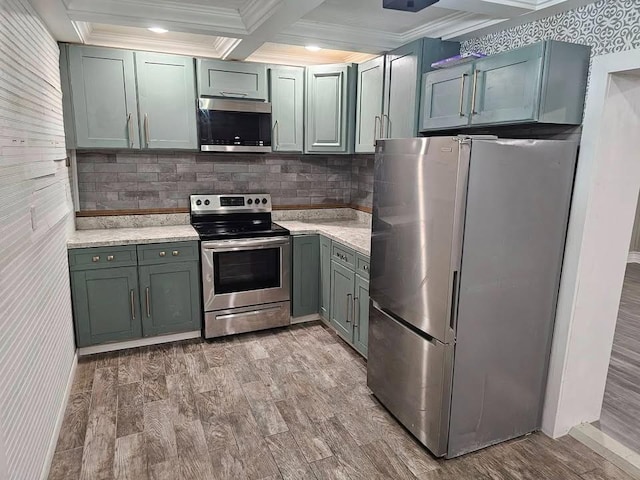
(467, 246)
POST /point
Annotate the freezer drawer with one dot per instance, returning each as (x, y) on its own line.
(411, 376)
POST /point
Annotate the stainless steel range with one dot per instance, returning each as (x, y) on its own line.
(245, 264)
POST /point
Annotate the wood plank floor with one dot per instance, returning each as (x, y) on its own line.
(620, 417)
(284, 404)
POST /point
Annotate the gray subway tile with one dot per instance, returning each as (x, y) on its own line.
(137, 177)
(114, 167)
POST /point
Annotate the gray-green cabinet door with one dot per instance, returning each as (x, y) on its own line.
(342, 293)
(403, 68)
(327, 88)
(325, 278)
(369, 105)
(218, 78)
(361, 315)
(106, 305)
(103, 86)
(170, 298)
(446, 98)
(167, 101)
(287, 107)
(508, 86)
(306, 275)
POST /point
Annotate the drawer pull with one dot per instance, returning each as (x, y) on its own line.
(175, 253)
(110, 258)
(163, 254)
(96, 258)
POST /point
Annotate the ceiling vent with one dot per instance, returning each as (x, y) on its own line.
(407, 5)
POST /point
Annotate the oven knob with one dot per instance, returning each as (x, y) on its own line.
(264, 201)
(199, 202)
(257, 201)
(207, 202)
(249, 202)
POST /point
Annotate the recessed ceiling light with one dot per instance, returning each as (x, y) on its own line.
(313, 48)
(158, 30)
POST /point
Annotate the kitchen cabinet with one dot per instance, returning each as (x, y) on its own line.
(128, 100)
(342, 293)
(361, 315)
(167, 99)
(241, 80)
(330, 108)
(541, 83)
(325, 278)
(369, 105)
(402, 90)
(106, 305)
(287, 104)
(103, 96)
(128, 292)
(306, 275)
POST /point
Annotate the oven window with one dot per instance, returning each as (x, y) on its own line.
(246, 270)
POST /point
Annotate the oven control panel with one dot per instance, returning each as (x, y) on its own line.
(253, 202)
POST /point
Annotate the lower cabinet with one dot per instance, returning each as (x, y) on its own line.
(361, 316)
(325, 277)
(342, 293)
(305, 277)
(126, 293)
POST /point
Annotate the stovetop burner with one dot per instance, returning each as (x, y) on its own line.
(226, 217)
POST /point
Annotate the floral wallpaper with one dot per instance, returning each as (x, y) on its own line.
(608, 26)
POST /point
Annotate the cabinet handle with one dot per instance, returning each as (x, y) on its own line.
(130, 127)
(237, 94)
(356, 322)
(146, 128)
(133, 308)
(365, 268)
(96, 258)
(276, 131)
(475, 90)
(462, 82)
(175, 253)
(388, 133)
(148, 302)
(163, 254)
(110, 257)
(349, 296)
(376, 130)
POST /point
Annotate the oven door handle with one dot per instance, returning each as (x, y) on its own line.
(239, 245)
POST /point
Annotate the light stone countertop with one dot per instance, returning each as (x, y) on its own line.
(104, 237)
(350, 233)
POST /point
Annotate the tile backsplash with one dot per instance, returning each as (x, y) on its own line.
(116, 181)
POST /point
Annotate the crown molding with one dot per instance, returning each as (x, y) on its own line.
(83, 29)
(450, 26)
(255, 12)
(225, 45)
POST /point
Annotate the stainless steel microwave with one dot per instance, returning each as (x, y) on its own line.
(234, 125)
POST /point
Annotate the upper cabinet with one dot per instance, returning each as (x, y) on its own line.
(122, 99)
(402, 90)
(103, 95)
(543, 82)
(369, 105)
(167, 100)
(287, 106)
(330, 108)
(219, 78)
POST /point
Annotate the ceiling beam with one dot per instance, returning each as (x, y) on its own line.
(265, 19)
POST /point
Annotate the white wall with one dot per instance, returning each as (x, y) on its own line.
(37, 348)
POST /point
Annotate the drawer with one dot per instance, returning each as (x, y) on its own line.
(362, 265)
(102, 257)
(343, 255)
(167, 253)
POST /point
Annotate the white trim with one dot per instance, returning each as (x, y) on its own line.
(609, 448)
(142, 342)
(255, 12)
(634, 257)
(60, 418)
(306, 318)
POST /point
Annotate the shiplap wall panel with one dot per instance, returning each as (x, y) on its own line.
(36, 334)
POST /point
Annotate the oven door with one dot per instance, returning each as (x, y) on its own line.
(242, 273)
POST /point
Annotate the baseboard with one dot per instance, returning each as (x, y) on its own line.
(605, 446)
(142, 342)
(634, 257)
(56, 433)
(306, 318)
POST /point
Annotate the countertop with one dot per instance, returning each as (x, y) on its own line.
(351, 233)
(105, 237)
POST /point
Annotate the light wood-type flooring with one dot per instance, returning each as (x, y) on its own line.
(284, 404)
(620, 417)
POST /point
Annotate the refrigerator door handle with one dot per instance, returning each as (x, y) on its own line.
(453, 313)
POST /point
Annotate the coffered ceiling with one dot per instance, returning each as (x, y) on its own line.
(275, 30)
